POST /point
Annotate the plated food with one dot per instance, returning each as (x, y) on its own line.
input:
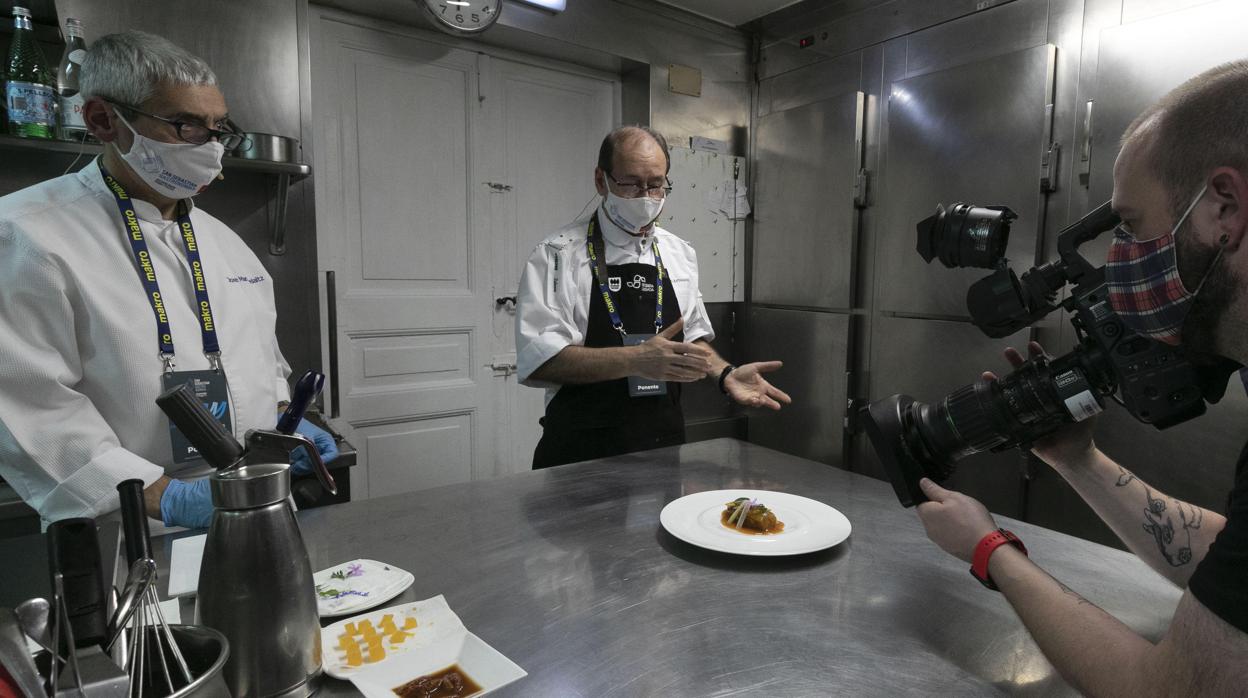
(358, 585)
(701, 519)
(369, 639)
(751, 517)
(363, 643)
(450, 682)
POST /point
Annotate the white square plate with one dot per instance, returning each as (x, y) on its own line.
(483, 664)
(435, 624)
(358, 585)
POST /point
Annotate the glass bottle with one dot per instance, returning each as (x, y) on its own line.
(70, 125)
(28, 94)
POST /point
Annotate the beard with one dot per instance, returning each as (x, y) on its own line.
(1204, 271)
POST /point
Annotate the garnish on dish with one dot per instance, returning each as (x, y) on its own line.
(750, 517)
(451, 682)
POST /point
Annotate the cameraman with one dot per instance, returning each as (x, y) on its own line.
(1177, 270)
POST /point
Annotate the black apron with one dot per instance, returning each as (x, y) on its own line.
(597, 420)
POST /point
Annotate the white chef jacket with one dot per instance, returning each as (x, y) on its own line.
(552, 307)
(79, 358)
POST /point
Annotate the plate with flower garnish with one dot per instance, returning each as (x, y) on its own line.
(358, 585)
(755, 522)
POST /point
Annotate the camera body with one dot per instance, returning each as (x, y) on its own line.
(1154, 381)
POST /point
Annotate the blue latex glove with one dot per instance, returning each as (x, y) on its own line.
(300, 461)
(187, 504)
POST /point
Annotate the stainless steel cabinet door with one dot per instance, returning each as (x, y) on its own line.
(1141, 61)
(974, 133)
(927, 359)
(804, 219)
(812, 346)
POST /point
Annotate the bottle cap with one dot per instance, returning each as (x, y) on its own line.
(73, 23)
(21, 12)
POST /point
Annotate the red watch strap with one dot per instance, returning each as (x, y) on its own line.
(983, 552)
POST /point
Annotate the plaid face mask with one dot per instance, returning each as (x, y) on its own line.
(1144, 285)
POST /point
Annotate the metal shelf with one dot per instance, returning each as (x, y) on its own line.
(295, 170)
(286, 173)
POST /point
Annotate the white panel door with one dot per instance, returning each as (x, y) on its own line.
(550, 123)
(401, 223)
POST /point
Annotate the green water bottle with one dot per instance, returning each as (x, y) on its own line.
(29, 96)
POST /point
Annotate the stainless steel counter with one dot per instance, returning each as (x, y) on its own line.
(567, 572)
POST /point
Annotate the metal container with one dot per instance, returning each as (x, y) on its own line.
(255, 584)
(266, 146)
(206, 652)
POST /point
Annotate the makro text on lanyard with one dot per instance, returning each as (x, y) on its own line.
(147, 275)
(600, 273)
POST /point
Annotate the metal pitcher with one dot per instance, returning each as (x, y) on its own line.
(255, 581)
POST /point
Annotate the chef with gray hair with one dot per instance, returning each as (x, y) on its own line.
(115, 287)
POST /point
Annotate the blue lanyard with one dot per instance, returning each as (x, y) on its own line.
(147, 275)
(594, 240)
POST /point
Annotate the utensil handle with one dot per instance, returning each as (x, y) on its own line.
(305, 391)
(134, 520)
(217, 446)
(74, 553)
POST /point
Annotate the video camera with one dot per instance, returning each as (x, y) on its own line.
(1154, 381)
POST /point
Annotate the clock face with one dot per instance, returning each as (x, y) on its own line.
(464, 16)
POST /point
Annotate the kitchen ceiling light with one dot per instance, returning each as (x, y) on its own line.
(552, 5)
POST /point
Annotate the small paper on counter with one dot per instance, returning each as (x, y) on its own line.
(185, 557)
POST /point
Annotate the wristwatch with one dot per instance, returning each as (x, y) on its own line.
(983, 551)
(723, 375)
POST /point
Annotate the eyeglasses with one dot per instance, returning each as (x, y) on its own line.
(636, 190)
(196, 134)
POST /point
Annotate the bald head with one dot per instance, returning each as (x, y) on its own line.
(628, 140)
(1196, 128)
(632, 157)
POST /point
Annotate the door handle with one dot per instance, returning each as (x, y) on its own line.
(505, 300)
(505, 368)
(503, 364)
(331, 317)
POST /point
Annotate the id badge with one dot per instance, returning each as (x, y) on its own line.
(213, 393)
(643, 387)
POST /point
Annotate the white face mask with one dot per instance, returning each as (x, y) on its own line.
(175, 170)
(632, 215)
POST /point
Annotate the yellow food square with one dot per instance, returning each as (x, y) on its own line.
(361, 643)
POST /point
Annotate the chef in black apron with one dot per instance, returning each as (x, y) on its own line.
(609, 340)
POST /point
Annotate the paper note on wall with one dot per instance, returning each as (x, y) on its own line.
(729, 199)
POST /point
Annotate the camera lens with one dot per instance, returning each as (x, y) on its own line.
(916, 440)
(966, 236)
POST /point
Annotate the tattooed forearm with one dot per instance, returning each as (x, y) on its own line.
(1171, 527)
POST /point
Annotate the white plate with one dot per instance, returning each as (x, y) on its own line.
(360, 585)
(435, 622)
(482, 663)
(808, 525)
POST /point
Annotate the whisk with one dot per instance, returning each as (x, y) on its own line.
(151, 646)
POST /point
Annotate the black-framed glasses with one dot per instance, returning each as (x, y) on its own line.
(195, 134)
(636, 190)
